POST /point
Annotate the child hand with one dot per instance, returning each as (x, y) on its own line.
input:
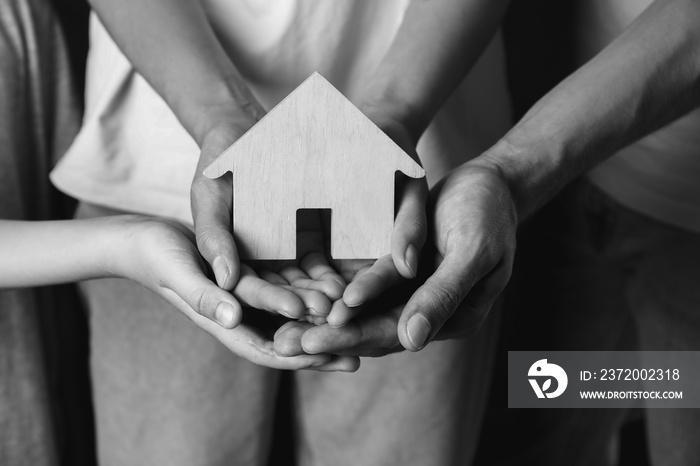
(163, 258)
(161, 255)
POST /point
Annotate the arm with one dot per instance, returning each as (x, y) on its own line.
(435, 46)
(643, 80)
(173, 46)
(161, 256)
(45, 253)
(646, 78)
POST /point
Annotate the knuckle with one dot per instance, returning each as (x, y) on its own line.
(206, 240)
(444, 299)
(210, 240)
(417, 229)
(198, 298)
(206, 192)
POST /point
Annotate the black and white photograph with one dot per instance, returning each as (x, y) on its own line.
(349, 232)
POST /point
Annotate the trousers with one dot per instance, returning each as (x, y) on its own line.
(593, 275)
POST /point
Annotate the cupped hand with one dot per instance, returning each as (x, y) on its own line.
(211, 199)
(164, 258)
(473, 224)
(311, 277)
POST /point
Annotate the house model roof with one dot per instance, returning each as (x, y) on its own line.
(314, 150)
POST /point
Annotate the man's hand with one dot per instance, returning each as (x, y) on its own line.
(474, 223)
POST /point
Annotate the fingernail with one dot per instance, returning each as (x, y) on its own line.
(280, 331)
(221, 271)
(411, 259)
(310, 350)
(418, 330)
(224, 314)
(352, 299)
(319, 320)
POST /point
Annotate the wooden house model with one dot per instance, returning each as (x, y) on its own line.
(314, 150)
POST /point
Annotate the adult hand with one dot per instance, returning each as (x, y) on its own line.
(161, 255)
(474, 224)
(211, 200)
(369, 280)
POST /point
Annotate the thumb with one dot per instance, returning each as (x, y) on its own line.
(434, 302)
(212, 220)
(203, 296)
(410, 228)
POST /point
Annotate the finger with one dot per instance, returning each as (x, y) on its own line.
(476, 306)
(273, 278)
(288, 343)
(341, 313)
(211, 210)
(318, 320)
(434, 302)
(287, 340)
(368, 336)
(202, 296)
(255, 292)
(248, 343)
(294, 275)
(298, 278)
(438, 298)
(410, 227)
(316, 266)
(315, 302)
(371, 282)
(339, 364)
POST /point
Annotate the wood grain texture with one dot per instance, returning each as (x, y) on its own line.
(314, 150)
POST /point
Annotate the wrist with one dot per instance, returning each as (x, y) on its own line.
(232, 105)
(393, 114)
(532, 171)
(121, 250)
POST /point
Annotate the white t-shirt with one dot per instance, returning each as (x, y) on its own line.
(659, 175)
(132, 154)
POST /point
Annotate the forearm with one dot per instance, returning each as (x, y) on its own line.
(44, 253)
(646, 78)
(435, 46)
(173, 46)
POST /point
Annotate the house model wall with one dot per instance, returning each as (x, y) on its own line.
(314, 150)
